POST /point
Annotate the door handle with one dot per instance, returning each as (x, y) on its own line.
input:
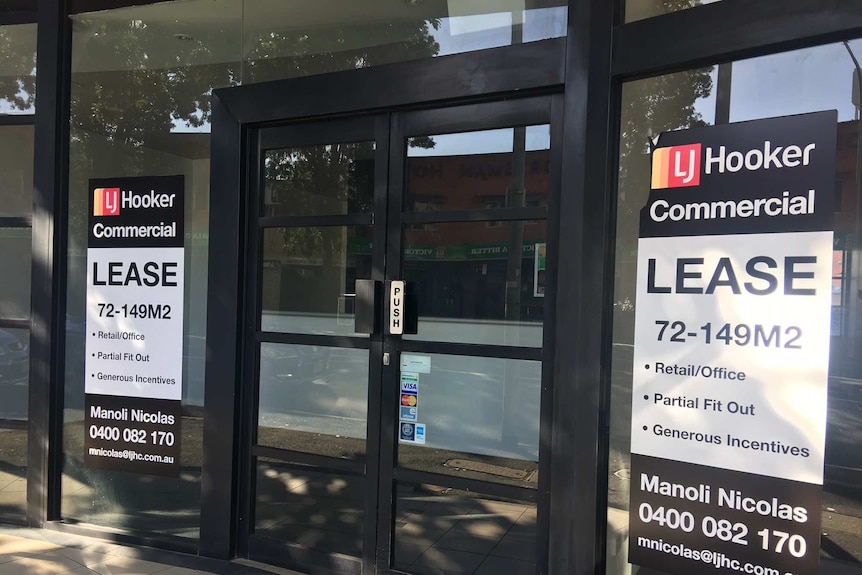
(366, 319)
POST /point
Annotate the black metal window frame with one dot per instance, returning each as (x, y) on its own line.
(19, 12)
(601, 54)
(17, 323)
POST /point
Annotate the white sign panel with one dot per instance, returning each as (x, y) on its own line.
(731, 354)
(396, 307)
(134, 339)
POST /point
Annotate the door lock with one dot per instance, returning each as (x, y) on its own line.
(386, 358)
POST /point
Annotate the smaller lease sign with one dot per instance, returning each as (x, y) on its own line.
(731, 354)
(134, 361)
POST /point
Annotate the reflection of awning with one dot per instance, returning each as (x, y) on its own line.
(464, 252)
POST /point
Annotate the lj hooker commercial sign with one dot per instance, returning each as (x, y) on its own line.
(135, 271)
(732, 348)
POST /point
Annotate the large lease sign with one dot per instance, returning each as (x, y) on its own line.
(134, 361)
(732, 348)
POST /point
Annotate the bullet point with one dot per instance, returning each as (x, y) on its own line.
(645, 428)
(646, 397)
(646, 366)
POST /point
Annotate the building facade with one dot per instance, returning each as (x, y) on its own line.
(495, 156)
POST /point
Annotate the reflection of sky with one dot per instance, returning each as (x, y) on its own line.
(480, 32)
(484, 142)
(795, 82)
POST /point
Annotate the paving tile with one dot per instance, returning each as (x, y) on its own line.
(336, 542)
(42, 564)
(408, 552)
(461, 539)
(10, 546)
(419, 532)
(447, 560)
(16, 486)
(517, 545)
(119, 565)
(255, 567)
(498, 565)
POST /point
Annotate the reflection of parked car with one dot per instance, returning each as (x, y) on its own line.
(14, 357)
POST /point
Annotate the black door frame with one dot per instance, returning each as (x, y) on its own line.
(379, 467)
(320, 132)
(519, 71)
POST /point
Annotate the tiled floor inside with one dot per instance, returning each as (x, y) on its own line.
(437, 531)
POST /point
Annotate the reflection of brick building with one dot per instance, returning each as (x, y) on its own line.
(471, 182)
(846, 317)
(462, 268)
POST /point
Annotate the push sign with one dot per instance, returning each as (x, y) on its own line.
(396, 307)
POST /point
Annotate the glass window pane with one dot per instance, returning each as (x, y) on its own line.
(128, 501)
(140, 88)
(320, 511)
(15, 247)
(506, 168)
(331, 179)
(313, 399)
(287, 39)
(462, 270)
(640, 9)
(18, 69)
(16, 170)
(481, 417)
(14, 373)
(309, 277)
(13, 473)
(796, 82)
(441, 530)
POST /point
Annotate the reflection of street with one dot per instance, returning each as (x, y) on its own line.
(316, 389)
(324, 390)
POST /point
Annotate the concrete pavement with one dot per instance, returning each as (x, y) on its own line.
(26, 551)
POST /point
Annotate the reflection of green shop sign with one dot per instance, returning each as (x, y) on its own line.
(466, 252)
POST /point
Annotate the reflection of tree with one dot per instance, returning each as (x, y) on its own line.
(306, 52)
(639, 9)
(18, 61)
(649, 107)
(150, 82)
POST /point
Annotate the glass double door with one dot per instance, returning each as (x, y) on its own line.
(415, 452)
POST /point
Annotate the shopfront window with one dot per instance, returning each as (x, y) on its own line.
(140, 106)
(780, 85)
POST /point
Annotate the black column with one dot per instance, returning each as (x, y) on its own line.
(583, 258)
(47, 325)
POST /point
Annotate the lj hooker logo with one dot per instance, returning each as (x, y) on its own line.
(106, 202)
(676, 167)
